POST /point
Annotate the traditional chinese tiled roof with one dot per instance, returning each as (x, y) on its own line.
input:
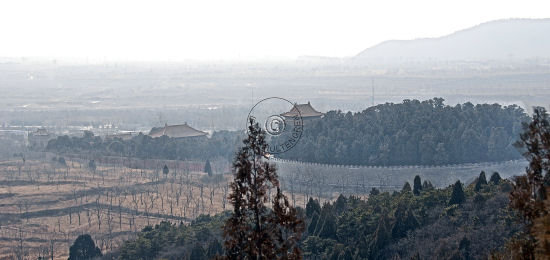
(176, 131)
(303, 110)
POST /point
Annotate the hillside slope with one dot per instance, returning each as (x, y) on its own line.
(496, 40)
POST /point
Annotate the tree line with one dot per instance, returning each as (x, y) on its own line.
(221, 144)
(412, 133)
(409, 133)
(459, 221)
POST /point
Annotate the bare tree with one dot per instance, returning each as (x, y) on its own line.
(98, 212)
(52, 247)
(121, 200)
(224, 198)
(20, 248)
(147, 211)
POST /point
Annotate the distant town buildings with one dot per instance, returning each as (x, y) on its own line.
(176, 131)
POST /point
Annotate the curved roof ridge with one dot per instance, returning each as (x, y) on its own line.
(176, 131)
(303, 110)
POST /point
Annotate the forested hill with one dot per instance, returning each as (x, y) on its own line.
(412, 133)
(458, 222)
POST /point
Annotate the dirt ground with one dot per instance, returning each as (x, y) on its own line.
(45, 205)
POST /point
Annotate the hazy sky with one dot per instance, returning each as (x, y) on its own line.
(229, 29)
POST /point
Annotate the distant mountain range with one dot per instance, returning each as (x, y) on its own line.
(495, 40)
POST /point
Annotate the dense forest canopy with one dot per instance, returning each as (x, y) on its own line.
(411, 133)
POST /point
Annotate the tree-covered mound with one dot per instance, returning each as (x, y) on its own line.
(412, 133)
(409, 133)
(458, 222)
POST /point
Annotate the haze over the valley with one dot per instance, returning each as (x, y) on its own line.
(502, 40)
(469, 65)
(244, 30)
(139, 129)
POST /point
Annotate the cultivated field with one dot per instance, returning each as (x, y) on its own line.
(45, 205)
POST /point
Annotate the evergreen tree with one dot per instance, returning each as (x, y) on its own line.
(285, 228)
(253, 231)
(479, 199)
(410, 221)
(165, 170)
(328, 230)
(381, 238)
(374, 191)
(495, 178)
(406, 187)
(417, 185)
(478, 186)
(214, 249)
(529, 191)
(457, 197)
(340, 204)
(197, 253)
(480, 182)
(313, 224)
(482, 179)
(312, 206)
(404, 221)
(208, 167)
(427, 185)
(84, 248)
(398, 229)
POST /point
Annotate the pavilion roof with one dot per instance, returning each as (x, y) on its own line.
(176, 131)
(304, 110)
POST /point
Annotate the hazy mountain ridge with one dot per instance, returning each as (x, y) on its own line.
(495, 40)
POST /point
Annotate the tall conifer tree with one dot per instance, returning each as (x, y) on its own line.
(254, 231)
(417, 185)
(457, 197)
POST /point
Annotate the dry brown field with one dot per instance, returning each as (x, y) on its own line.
(45, 205)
